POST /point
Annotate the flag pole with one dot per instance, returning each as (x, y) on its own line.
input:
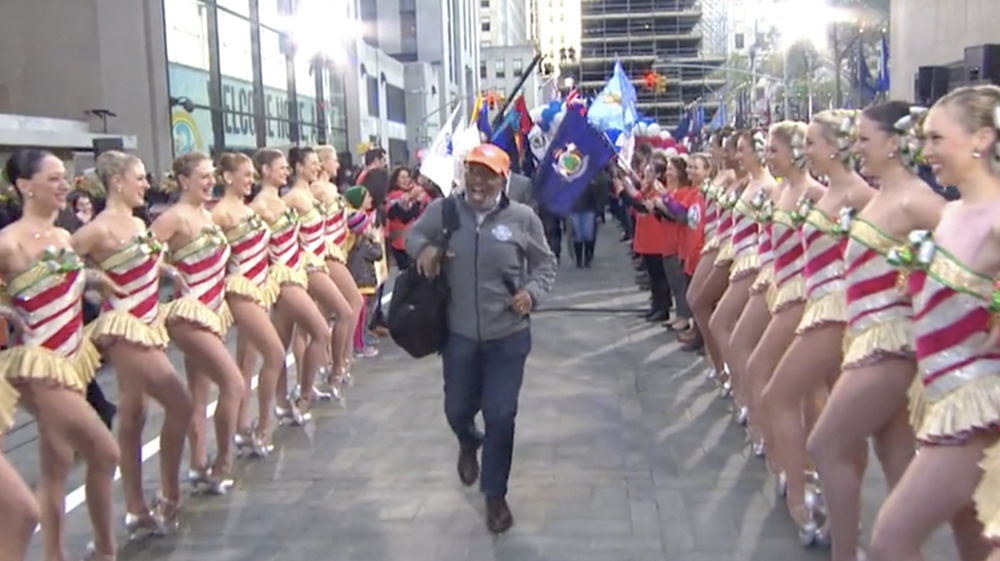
(517, 88)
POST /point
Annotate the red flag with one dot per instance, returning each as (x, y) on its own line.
(522, 108)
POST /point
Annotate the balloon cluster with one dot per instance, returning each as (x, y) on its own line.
(651, 133)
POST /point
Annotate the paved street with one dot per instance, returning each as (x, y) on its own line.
(623, 453)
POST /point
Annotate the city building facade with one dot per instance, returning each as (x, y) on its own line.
(936, 33)
(558, 26)
(684, 40)
(501, 68)
(503, 23)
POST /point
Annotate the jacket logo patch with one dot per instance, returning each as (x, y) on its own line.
(502, 233)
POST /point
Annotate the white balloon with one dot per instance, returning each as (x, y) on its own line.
(653, 130)
(536, 113)
(557, 120)
(642, 127)
(671, 152)
(664, 135)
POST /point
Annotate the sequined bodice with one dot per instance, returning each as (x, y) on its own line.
(873, 292)
(201, 264)
(952, 320)
(248, 240)
(283, 248)
(788, 250)
(824, 255)
(312, 231)
(135, 268)
(711, 210)
(48, 297)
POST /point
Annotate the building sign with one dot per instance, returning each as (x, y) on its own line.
(193, 131)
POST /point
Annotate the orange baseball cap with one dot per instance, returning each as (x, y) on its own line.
(490, 156)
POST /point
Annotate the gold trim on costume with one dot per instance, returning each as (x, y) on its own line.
(792, 292)
(280, 275)
(765, 279)
(987, 494)
(831, 308)
(263, 296)
(887, 339)
(119, 324)
(8, 405)
(33, 363)
(192, 310)
(870, 236)
(744, 267)
(972, 406)
(725, 256)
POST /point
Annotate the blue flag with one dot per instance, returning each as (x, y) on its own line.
(614, 108)
(576, 155)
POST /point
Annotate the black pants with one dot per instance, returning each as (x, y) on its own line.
(95, 396)
(401, 257)
(678, 283)
(553, 232)
(658, 285)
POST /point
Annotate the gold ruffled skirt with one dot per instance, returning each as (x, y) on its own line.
(765, 278)
(831, 308)
(313, 263)
(120, 325)
(987, 494)
(725, 256)
(744, 267)
(711, 246)
(280, 275)
(335, 253)
(32, 363)
(265, 296)
(792, 292)
(887, 339)
(191, 310)
(8, 405)
(974, 406)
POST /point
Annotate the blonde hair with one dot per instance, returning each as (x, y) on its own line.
(838, 127)
(265, 157)
(230, 162)
(324, 151)
(706, 159)
(183, 166)
(792, 133)
(108, 165)
(979, 108)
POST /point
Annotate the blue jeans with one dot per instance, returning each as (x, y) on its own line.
(485, 376)
(584, 226)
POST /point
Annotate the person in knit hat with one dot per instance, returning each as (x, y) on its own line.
(365, 253)
(358, 197)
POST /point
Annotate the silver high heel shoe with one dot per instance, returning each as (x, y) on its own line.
(759, 449)
(781, 485)
(323, 389)
(92, 555)
(742, 415)
(197, 478)
(167, 515)
(726, 390)
(814, 494)
(140, 526)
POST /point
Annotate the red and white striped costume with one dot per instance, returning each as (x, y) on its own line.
(134, 317)
(765, 257)
(878, 313)
(789, 261)
(826, 299)
(744, 241)
(47, 297)
(284, 251)
(724, 231)
(711, 219)
(312, 237)
(201, 264)
(249, 268)
(335, 216)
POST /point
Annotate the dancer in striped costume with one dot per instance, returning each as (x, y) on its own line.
(746, 264)
(335, 212)
(812, 360)
(53, 361)
(294, 308)
(198, 318)
(131, 335)
(250, 295)
(785, 159)
(869, 398)
(709, 283)
(312, 237)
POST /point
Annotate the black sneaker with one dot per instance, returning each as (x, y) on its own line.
(498, 516)
(468, 465)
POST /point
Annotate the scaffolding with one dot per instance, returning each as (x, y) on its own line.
(714, 28)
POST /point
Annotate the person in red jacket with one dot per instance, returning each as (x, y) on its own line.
(403, 205)
(673, 208)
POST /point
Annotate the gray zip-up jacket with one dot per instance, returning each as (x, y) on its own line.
(486, 262)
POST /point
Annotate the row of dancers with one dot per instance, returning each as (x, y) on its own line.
(835, 312)
(270, 263)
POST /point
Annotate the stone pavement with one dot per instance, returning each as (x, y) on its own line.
(623, 453)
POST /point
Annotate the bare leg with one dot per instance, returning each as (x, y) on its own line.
(346, 285)
(712, 285)
(333, 304)
(67, 423)
(864, 402)
(936, 488)
(213, 361)
(802, 370)
(246, 360)
(723, 321)
(143, 371)
(19, 513)
(746, 335)
(254, 322)
(295, 307)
